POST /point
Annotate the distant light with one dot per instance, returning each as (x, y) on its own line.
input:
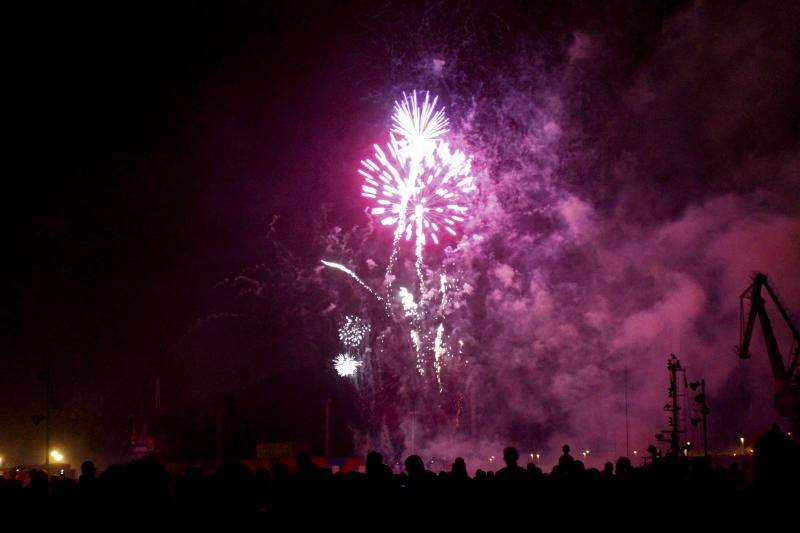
(741, 439)
(56, 455)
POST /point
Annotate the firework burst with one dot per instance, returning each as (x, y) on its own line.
(346, 365)
(419, 181)
(353, 332)
(421, 187)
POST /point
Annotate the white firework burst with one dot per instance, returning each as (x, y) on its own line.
(353, 331)
(346, 365)
(421, 126)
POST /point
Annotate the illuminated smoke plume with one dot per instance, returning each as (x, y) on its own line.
(631, 177)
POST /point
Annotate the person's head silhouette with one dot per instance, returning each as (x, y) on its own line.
(511, 456)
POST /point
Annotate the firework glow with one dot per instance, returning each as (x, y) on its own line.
(354, 331)
(346, 365)
(421, 187)
(352, 274)
(419, 184)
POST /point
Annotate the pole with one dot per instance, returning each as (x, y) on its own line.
(49, 395)
(704, 412)
(674, 367)
(47, 426)
(627, 419)
(327, 430)
(413, 421)
(219, 435)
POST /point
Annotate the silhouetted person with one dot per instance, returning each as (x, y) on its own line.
(148, 484)
(235, 488)
(512, 471)
(280, 474)
(306, 469)
(775, 460)
(376, 470)
(415, 468)
(623, 468)
(88, 481)
(88, 472)
(458, 472)
(566, 460)
(534, 472)
(578, 470)
(776, 468)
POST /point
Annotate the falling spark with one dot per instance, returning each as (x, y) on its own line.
(418, 348)
(410, 307)
(438, 354)
(346, 365)
(443, 290)
(352, 274)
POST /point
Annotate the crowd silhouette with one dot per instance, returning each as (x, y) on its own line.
(667, 489)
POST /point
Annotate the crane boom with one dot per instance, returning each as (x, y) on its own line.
(787, 386)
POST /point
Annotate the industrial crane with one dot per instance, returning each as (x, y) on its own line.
(787, 378)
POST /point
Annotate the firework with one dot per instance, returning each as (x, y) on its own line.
(410, 307)
(419, 183)
(439, 351)
(420, 126)
(346, 365)
(421, 188)
(352, 274)
(353, 331)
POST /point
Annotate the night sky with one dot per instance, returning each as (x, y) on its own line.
(155, 145)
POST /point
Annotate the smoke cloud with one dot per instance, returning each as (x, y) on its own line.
(635, 168)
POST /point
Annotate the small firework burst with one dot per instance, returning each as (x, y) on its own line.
(346, 365)
(353, 331)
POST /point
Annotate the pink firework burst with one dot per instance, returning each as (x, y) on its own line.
(418, 183)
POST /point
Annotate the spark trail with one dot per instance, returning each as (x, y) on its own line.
(352, 274)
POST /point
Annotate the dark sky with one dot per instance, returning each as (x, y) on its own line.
(152, 145)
